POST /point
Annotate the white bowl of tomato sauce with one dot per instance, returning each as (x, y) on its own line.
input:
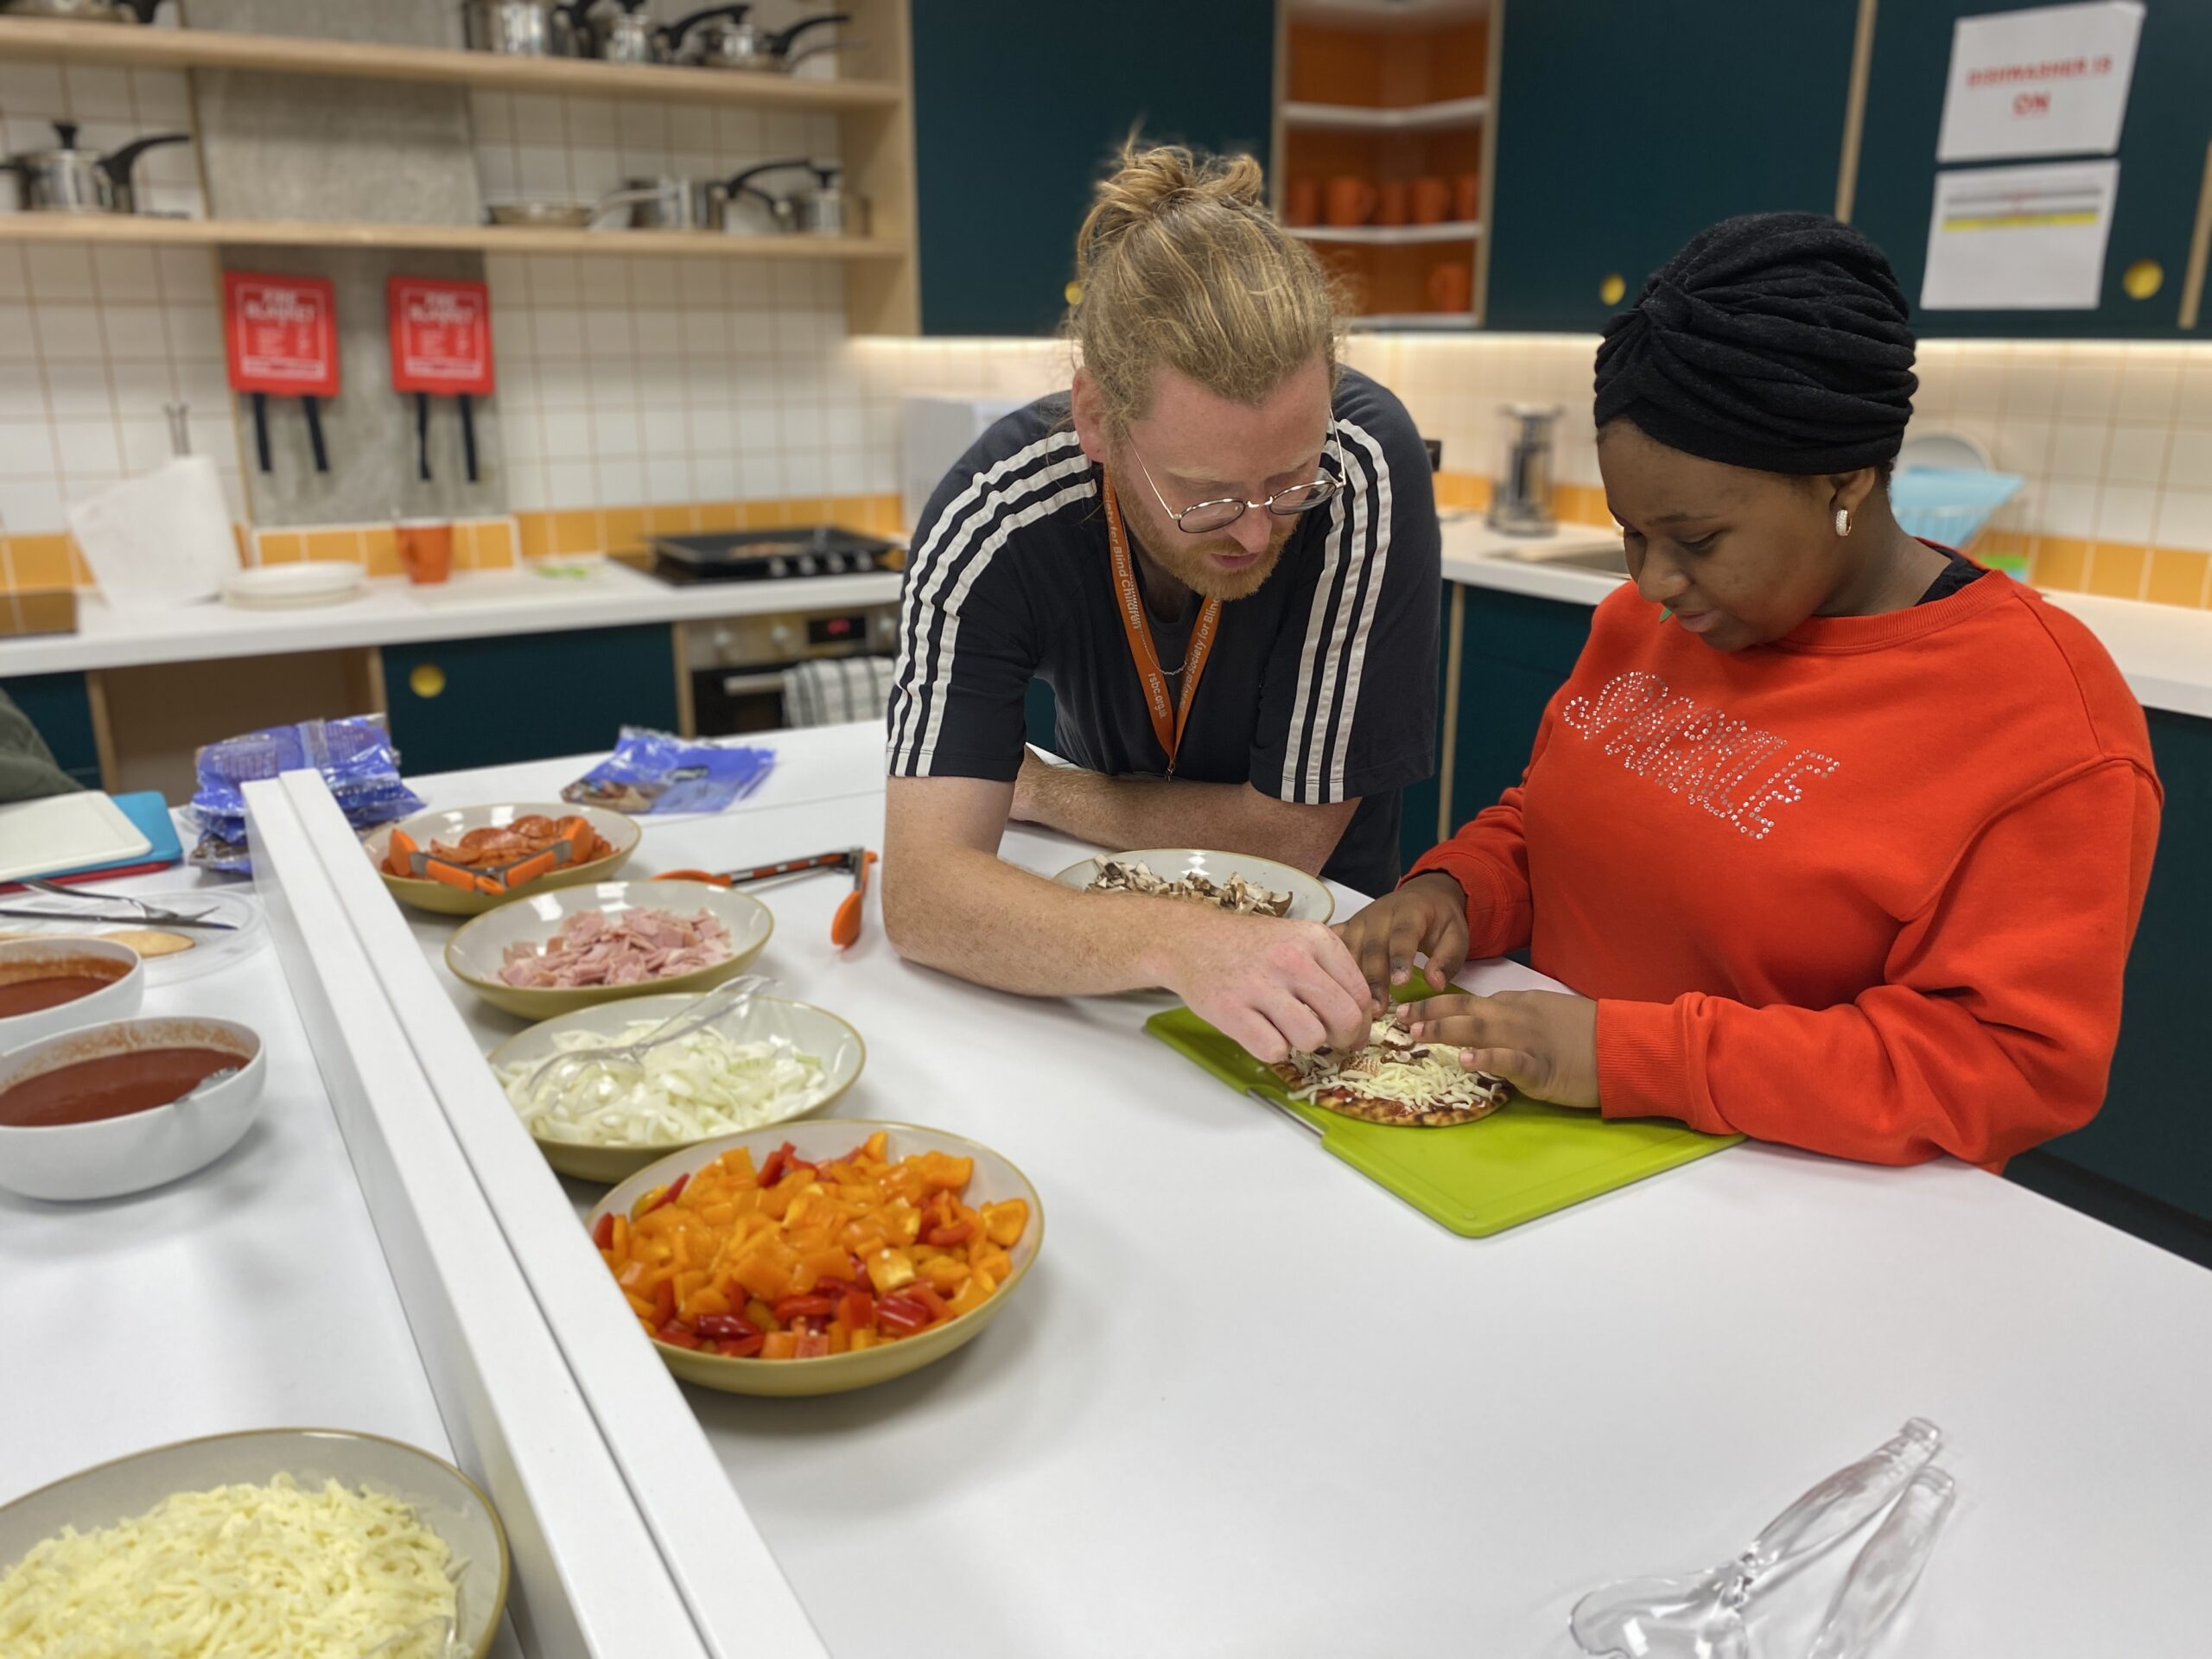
(118, 1108)
(50, 985)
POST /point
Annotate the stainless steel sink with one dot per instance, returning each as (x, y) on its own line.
(1610, 560)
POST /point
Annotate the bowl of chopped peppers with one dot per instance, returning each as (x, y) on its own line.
(812, 1258)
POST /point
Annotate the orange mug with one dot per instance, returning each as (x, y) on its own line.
(1432, 199)
(1467, 197)
(425, 548)
(1301, 203)
(1452, 286)
(1348, 200)
(1391, 204)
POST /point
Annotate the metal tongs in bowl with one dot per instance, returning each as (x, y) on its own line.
(147, 915)
(563, 1069)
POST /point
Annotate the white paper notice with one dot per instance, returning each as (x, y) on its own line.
(2020, 238)
(2052, 81)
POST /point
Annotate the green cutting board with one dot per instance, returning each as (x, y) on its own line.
(1524, 1160)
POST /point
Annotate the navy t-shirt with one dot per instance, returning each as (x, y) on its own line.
(1321, 686)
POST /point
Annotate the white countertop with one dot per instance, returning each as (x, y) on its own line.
(2164, 651)
(1251, 1403)
(473, 605)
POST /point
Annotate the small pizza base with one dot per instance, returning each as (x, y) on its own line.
(1396, 1113)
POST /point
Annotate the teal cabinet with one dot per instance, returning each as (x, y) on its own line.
(61, 707)
(1515, 652)
(460, 704)
(2154, 1135)
(1017, 108)
(1624, 130)
(2161, 167)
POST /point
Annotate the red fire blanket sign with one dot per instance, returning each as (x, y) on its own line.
(282, 334)
(441, 335)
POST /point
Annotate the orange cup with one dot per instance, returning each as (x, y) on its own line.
(425, 548)
(1301, 203)
(1452, 286)
(1393, 203)
(1467, 196)
(1347, 201)
(1432, 199)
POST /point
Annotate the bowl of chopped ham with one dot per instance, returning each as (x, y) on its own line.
(551, 952)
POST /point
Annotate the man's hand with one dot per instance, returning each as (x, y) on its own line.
(1544, 1043)
(1273, 986)
(1426, 916)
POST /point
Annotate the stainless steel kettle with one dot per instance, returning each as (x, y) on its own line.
(66, 179)
(1521, 503)
(732, 41)
(82, 12)
(827, 209)
(526, 29)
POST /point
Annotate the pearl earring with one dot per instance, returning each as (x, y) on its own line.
(1843, 521)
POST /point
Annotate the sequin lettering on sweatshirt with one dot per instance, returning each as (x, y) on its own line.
(1730, 768)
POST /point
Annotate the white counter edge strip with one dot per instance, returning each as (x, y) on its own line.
(588, 1582)
(738, 1595)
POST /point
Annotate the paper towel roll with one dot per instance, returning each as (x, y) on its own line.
(160, 539)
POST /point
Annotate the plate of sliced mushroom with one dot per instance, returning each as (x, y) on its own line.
(1233, 881)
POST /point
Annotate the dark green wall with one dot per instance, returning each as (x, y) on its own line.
(1623, 130)
(1018, 106)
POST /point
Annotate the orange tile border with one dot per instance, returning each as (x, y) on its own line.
(718, 515)
(40, 561)
(2177, 576)
(2059, 563)
(2116, 570)
(579, 530)
(624, 529)
(536, 532)
(380, 551)
(672, 519)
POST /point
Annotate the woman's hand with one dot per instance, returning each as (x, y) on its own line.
(1544, 1043)
(1427, 916)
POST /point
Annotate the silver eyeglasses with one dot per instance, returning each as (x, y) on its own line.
(1203, 517)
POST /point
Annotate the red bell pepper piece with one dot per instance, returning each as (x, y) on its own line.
(676, 1188)
(901, 1315)
(665, 1301)
(804, 1307)
(602, 1232)
(772, 1167)
(814, 1345)
(725, 1327)
(857, 1309)
(928, 1297)
(743, 1347)
(676, 1336)
(958, 1233)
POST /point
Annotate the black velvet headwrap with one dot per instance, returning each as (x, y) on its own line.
(1779, 341)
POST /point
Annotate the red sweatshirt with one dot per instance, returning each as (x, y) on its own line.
(1867, 890)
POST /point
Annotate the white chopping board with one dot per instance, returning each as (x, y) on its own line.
(65, 832)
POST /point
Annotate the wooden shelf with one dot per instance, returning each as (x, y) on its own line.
(1391, 235)
(286, 54)
(486, 239)
(1451, 114)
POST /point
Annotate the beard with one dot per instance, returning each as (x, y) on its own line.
(1190, 559)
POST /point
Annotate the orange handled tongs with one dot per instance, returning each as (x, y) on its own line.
(845, 927)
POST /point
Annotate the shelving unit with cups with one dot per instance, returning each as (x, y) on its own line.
(1383, 154)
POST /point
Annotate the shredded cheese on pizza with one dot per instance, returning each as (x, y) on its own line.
(1393, 1067)
(244, 1572)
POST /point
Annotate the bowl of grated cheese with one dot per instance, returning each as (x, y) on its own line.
(290, 1543)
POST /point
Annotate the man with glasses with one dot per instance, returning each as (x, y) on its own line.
(1220, 552)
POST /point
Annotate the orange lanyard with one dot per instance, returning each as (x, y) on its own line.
(1167, 721)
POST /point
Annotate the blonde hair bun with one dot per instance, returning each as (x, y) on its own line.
(1151, 184)
(1180, 265)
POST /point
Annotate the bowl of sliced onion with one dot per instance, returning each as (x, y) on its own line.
(767, 1062)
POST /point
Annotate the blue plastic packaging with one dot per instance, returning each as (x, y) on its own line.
(652, 772)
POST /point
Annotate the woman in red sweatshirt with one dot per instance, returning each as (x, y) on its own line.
(1841, 839)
